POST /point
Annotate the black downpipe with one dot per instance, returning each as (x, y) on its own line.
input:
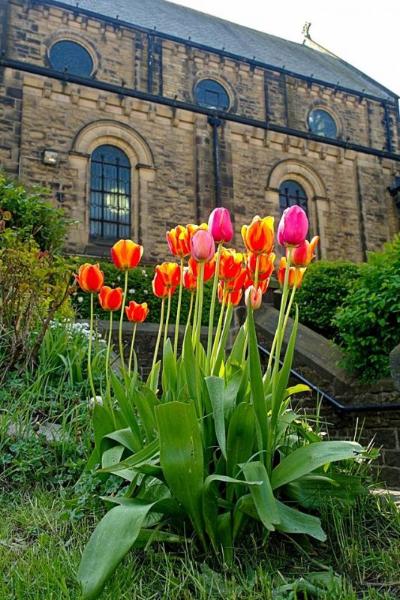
(266, 96)
(194, 108)
(215, 123)
(363, 236)
(338, 406)
(285, 99)
(389, 144)
(150, 60)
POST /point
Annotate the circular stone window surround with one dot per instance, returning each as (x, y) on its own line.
(324, 107)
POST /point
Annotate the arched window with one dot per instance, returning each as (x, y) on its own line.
(290, 193)
(110, 194)
(322, 123)
(211, 94)
(71, 57)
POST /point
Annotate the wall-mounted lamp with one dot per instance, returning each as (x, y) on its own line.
(50, 157)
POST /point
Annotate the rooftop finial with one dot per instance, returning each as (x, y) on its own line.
(306, 30)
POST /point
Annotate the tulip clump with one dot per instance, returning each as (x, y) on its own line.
(208, 443)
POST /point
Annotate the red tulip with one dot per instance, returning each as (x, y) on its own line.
(293, 226)
(170, 273)
(295, 274)
(126, 254)
(110, 299)
(258, 237)
(230, 265)
(189, 280)
(265, 265)
(303, 254)
(136, 313)
(209, 268)
(179, 241)
(90, 278)
(159, 288)
(220, 225)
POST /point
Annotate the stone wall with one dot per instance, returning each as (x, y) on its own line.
(171, 150)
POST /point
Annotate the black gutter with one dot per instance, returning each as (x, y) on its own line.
(338, 406)
(123, 91)
(4, 30)
(224, 53)
(150, 58)
(215, 123)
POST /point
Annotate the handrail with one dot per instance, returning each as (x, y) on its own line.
(342, 408)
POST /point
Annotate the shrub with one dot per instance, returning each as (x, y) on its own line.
(140, 290)
(31, 215)
(325, 287)
(368, 323)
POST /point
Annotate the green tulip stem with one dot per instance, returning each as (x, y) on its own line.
(200, 306)
(89, 364)
(196, 307)
(190, 312)
(110, 328)
(158, 335)
(167, 319)
(131, 350)
(178, 312)
(213, 300)
(219, 324)
(121, 319)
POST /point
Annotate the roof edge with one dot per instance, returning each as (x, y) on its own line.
(238, 57)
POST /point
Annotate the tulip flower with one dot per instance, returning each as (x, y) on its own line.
(303, 254)
(220, 225)
(159, 287)
(293, 226)
(295, 274)
(135, 312)
(202, 246)
(230, 265)
(110, 299)
(262, 284)
(253, 297)
(265, 265)
(239, 281)
(179, 241)
(192, 229)
(90, 278)
(232, 297)
(209, 268)
(126, 254)
(258, 237)
(170, 272)
(189, 280)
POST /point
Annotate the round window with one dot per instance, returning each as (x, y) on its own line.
(211, 94)
(321, 123)
(71, 57)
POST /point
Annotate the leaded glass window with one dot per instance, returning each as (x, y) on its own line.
(110, 194)
(291, 193)
(71, 57)
(321, 123)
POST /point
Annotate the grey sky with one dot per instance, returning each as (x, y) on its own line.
(364, 33)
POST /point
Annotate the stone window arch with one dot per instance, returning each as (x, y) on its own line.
(314, 189)
(142, 171)
(65, 35)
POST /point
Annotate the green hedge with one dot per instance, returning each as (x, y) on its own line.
(140, 290)
(325, 287)
(368, 323)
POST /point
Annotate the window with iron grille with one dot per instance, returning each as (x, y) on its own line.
(290, 193)
(110, 194)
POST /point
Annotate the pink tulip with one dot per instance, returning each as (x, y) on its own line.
(253, 297)
(293, 226)
(220, 225)
(202, 246)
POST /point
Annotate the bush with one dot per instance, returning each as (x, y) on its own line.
(31, 215)
(326, 286)
(368, 323)
(140, 290)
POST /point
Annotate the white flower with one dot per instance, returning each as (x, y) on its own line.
(80, 299)
(118, 277)
(145, 292)
(132, 291)
(97, 400)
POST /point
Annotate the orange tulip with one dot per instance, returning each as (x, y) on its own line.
(136, 313)
(179, 241)
(230, 265)
(295, 274)
(303, 254)
(262, 284)
(265, 265)
(189, 280)
(239, 281)
(90, 278)
(170, 272)
(232, 297)
(209, 268)
(192, 229)
(110, 299)
(126, 254)
(159, 288)
(258, 237)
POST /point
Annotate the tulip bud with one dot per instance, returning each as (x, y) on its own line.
(253, 297)
(126, 254)
(220, 225)
(293, 226)
(90, 278)
(303, 254)
(110, 299)
(136, 313)
(202, 246)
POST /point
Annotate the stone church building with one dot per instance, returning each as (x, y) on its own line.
(140, 114)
